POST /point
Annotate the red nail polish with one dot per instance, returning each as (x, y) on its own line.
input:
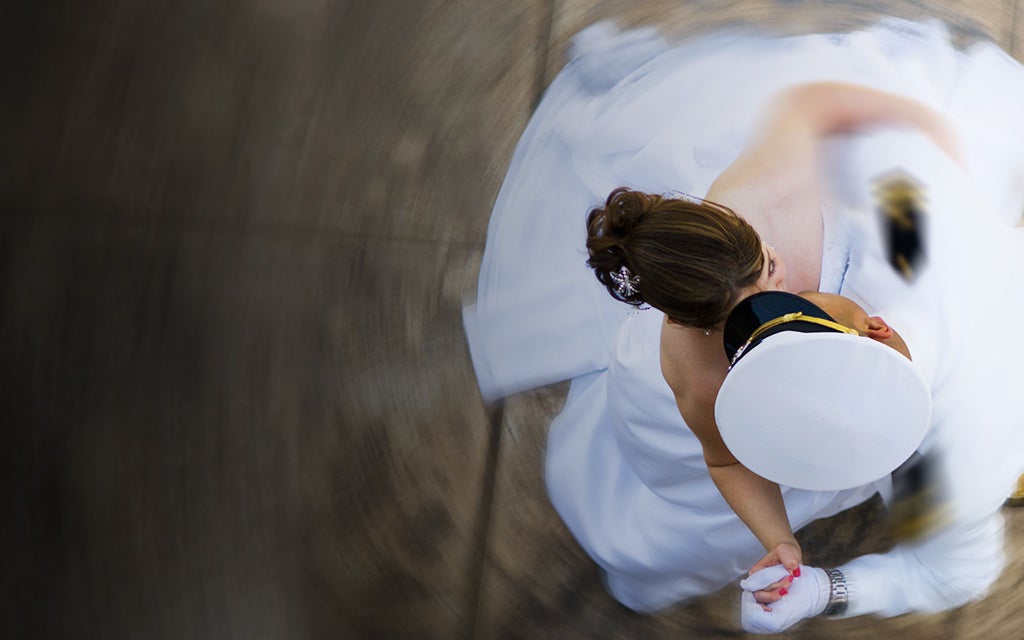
(796, 572)
(783, 591)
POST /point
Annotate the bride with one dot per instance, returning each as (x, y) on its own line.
(696, 260)
(636, 466)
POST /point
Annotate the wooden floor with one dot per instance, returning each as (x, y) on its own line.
(235, 239)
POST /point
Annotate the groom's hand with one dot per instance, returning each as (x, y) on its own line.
(806, 597)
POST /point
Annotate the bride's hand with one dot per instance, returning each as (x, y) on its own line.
(788, 555)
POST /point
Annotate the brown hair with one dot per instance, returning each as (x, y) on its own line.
(691, 256)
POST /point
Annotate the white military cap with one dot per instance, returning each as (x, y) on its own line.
(809, 403)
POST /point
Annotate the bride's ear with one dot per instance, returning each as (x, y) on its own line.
(878, 329)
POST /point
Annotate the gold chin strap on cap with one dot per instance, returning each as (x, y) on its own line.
(797, 316)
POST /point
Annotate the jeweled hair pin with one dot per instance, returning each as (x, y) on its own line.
(626, 284)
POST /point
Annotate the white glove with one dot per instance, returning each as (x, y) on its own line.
(807, 597)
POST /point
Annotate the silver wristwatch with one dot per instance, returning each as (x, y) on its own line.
(839, 594)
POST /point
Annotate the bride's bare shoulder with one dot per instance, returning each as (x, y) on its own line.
(692, 370)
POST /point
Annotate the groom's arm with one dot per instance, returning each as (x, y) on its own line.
(798, 119)
(782, 161)
(948, 570)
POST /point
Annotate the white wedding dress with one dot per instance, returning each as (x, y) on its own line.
(623, 470)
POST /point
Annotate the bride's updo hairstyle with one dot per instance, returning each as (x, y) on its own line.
(691, 257)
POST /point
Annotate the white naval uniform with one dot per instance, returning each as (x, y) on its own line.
(958, 317)
(623, 470)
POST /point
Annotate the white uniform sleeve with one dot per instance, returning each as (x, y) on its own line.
(952, 568)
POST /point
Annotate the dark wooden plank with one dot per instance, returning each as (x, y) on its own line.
(1017, 31)
(387, 118)
(405, 472)
(230, 435)
(242, 398)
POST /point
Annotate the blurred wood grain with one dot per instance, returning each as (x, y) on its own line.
(235, 239)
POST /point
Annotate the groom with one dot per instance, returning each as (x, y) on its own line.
(948, 316)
